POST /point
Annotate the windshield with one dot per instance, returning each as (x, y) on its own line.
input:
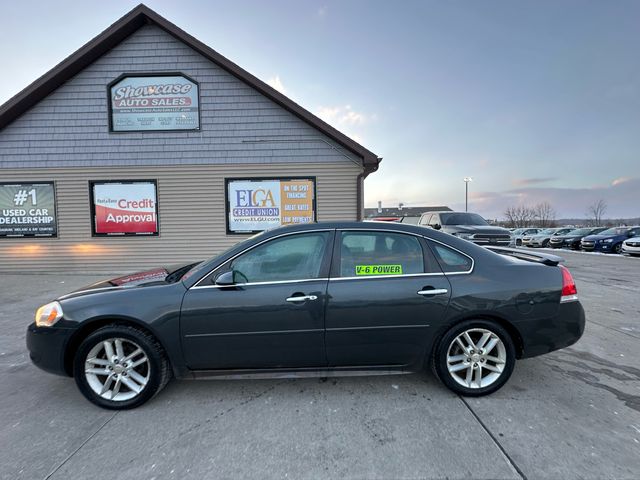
(614, 231)
(201, 265)
(547, 230)
(518, 231)
(462, 219)
(579, 231)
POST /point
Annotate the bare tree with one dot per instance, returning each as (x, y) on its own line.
(545, 214)
(519, 216)
(596, 211)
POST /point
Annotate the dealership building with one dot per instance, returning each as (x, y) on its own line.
(147, 147)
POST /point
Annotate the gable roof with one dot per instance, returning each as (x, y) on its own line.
(130, 23)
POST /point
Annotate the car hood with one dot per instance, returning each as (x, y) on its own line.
(154, 276)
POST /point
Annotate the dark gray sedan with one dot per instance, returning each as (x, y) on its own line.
(320, 299)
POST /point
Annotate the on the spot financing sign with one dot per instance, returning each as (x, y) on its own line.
(125, 208)
(257, 205)
(154, 103)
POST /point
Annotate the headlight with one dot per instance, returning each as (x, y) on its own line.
(48, 314)
(464, 236)
(608, 240)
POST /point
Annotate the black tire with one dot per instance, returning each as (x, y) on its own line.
(441, 352)
(617, 248)
(158, 367)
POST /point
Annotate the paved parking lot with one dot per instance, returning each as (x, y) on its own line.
(572, 414)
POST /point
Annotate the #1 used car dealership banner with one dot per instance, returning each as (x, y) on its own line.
(125, 208)
(154, 103)
(259, 204)
(28, 210)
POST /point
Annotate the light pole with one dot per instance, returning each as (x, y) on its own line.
(466, 192)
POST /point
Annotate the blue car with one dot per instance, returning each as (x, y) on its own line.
(609, 241)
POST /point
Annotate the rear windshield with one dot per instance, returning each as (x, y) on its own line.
(462, 219)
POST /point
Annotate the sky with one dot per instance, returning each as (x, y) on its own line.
(535, 100)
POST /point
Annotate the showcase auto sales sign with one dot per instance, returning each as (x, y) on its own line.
(125, 208)
(150, 103)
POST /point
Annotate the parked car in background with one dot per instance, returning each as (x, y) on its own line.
(468, 226)
(384, 219)
(609, 241)
(572, 239)
(631, 246)
(541, 239)
(518, 233)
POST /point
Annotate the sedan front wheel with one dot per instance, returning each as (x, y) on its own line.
(120, 367)
(475, 358)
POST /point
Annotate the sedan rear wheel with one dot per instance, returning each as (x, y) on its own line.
(475, 358)
(120, 367)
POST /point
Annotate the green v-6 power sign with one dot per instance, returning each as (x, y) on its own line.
(28, 210)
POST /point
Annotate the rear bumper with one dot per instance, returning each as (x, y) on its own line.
(47, 346)
(546, 335)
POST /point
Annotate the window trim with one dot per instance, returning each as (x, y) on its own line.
(323, 269)
(337, 255)
(428, 239)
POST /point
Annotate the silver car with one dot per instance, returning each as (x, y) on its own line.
(542, 238)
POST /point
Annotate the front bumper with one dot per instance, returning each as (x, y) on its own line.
(546, 335)
(46, 347)
(630, 250)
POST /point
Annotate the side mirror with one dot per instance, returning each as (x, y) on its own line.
(437, 226)
(225, 279)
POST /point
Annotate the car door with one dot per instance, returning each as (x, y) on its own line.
(273, 314)
(385, 291)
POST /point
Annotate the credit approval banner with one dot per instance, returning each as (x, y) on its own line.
(254, 205)
(28, 210)
(149, 103)
(125, 208)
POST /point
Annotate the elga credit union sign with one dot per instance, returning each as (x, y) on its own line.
(257, 205)
(124, 208)
(28, 210)
(148, 103)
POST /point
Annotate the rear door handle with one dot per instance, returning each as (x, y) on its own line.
(433, 291)
(302, 298)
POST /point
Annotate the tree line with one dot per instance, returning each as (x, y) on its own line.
(543, 215)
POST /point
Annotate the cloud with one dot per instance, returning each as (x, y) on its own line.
(568, 202)
(346, 119)
(276, 83)
(620, 181)
(522, 182)
(344, 115)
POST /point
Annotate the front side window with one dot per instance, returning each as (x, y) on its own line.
(365, 254)
(294, 257)
(451, 261)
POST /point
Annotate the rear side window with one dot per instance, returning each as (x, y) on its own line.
(450, 260)
(365, 254)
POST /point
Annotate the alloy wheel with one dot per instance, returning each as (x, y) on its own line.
(117, 369)
(476, 358)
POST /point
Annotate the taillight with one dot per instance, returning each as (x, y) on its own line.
(569, 290)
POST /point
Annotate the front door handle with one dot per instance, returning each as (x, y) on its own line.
(433, 291)
(302, 298)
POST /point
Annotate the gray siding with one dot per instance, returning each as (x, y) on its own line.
(69, 128)
(191, 209)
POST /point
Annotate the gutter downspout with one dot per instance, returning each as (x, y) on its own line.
(360, 188)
